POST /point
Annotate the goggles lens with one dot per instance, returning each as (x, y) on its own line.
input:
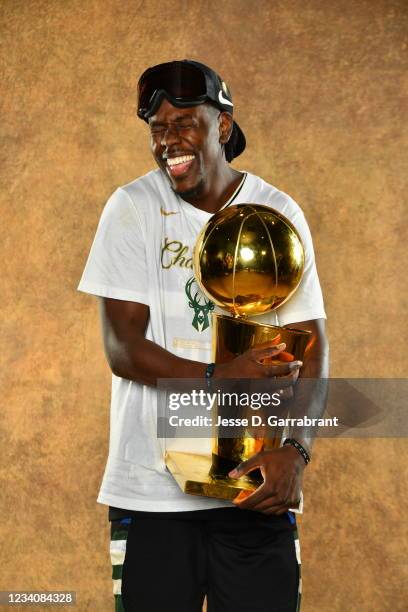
(180, 81)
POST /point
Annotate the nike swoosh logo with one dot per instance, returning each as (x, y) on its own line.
(166, 213)
(223, 100)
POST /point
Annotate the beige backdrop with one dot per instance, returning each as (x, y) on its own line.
(318, 87)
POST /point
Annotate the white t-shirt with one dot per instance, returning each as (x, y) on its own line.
(142, 252)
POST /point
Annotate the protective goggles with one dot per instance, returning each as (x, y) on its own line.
(183, 83)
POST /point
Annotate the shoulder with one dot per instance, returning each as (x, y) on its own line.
(268, 194)
(265, 193)
(141, 198)
(149, 185)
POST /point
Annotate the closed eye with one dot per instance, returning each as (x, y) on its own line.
(160, 128)
(157, 129)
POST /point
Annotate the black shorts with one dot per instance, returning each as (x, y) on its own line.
(242, 561)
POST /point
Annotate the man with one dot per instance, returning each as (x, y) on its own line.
(170, 550)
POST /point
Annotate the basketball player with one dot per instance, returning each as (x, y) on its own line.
(171, 550)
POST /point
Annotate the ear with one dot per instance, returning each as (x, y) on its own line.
(225, 127)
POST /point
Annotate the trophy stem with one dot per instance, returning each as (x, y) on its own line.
(232, 336)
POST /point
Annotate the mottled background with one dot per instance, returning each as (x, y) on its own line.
(319, 91)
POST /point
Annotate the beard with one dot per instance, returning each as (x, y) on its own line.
(194, 192)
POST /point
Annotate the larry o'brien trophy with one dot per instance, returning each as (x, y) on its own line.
(249, 260)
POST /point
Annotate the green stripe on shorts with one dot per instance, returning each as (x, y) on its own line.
(118, 541)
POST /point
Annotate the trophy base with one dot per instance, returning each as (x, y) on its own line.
(192, 474)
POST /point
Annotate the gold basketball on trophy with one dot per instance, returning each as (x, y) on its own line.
(248, 259)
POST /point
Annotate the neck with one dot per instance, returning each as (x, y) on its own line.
(221, 187)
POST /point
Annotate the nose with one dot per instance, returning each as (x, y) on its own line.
(170, 136)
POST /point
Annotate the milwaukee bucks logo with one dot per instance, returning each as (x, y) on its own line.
(200, 304)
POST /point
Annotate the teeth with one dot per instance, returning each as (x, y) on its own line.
(173, 161)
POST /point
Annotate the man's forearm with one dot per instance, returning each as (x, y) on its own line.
(311, 390)
(146, 362)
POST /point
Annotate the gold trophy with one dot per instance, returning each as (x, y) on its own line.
(249, 260)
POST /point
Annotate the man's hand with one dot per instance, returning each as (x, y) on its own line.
(282, 471)
(259, 363)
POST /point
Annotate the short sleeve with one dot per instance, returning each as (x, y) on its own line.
(116, 266)
(307, 301)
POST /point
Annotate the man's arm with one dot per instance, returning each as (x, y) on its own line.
(282, 469)
(131, 356)
(310, 398)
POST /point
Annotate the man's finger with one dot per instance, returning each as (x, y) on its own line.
(264, 353)
(246, 466)
(257, 497)
(283, 369)
(281, 381)
(283, 356)
(273, 505)
(270, 503)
